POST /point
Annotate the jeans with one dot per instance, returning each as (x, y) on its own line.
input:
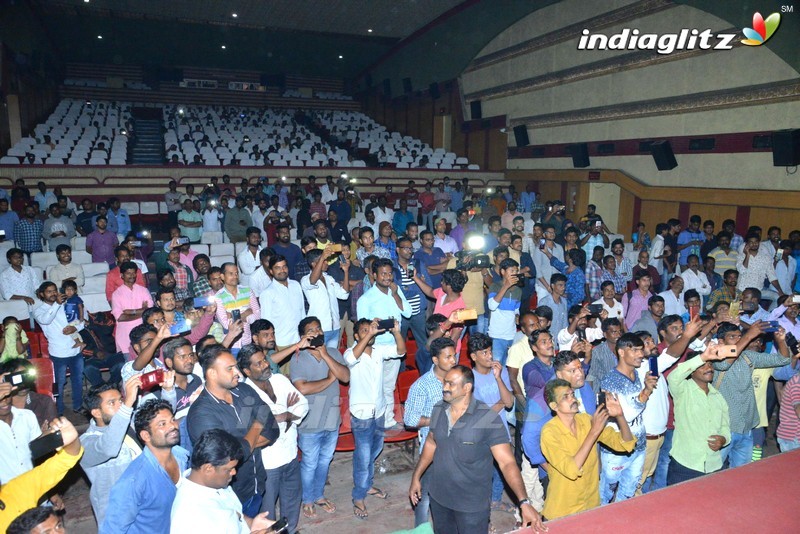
(332, 338)
(740, 450)
(448, 521)
(113, 362)
(424, 505)
(497, 485)
(284, 482)
(427, 220)
(317, 449)
(75, 365)
(500, 349)
(787, 445)
(679, 473)
(481, 326)
(251, 506)
(660, 476)
(622, 471)
(417, 325)
(368, 438)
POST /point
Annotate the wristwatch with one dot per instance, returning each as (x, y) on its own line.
(524, 501)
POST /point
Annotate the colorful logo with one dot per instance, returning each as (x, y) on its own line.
(762, 29)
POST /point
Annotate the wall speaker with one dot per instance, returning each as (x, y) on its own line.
(521, 135)
(580, 155)
(387, 87)
(475, 109)
(786, 148)
(433, 89)
(663, 155)
(407, 86)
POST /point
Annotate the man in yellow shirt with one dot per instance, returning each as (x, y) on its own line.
(569, 444)
(25, 491)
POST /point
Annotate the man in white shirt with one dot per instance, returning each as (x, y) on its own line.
(260, 278)
(17, 429)
(65, 269)
(289, 407)
(259, 215)
(755, 265)
(323, 293)
(64, 352)
(248, 259)
(282, 303)
(328, 191)
(695, 278)
(18, 281)
(211, 217)
(578, 329)
(367, 407)
(383, 212)
(205, 500)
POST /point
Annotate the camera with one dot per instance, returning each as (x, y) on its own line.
(152, 379)
(471, 259)
(22, 378)
(316, 342)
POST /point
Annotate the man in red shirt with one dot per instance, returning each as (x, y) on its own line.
(114, 278)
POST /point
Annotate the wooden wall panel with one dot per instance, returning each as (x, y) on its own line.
(654, 212)
(426, 122)
(626, 222)
(713, 212)
(498, 153)
(786, 219)
(476, 149)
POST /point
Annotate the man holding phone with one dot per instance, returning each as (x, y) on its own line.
(503, 301)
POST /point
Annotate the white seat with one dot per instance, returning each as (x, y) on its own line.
(14, 308)
(473, 167)
(148, 208)
(9, 160)
(211, 238)
(81, 257)
(201, 248)
(94, 284)
(94, 269)
(222, 249)
(239, 247)
(131, 207)
(462, 161)
(95, 302)
(217, 261)
(43, 259)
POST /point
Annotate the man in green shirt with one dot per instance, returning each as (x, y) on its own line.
(702, 426)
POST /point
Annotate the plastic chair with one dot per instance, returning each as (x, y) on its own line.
(45, 376)
(404, 381)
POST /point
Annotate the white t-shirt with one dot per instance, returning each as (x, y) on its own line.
(199, 508)
(613, 311)
(16, 456)
(211, 221)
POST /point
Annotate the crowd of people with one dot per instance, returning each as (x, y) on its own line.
(215, 389)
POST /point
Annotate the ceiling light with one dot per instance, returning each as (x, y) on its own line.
(99, 36)
(369, 30)
(340, 57)
(234, 15)
(86, 1)
(223, 47)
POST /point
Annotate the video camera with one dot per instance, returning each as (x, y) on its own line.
(467, 260)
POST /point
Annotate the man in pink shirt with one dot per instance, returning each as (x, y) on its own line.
(635, 302)
(507, 219)
(128, 302)
(114, 277)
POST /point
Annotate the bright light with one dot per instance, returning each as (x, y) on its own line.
(180, 111)
(234, 15)
(368, 31)
(99, 36)
(341, 57)
(283, 178)
(223, 47)
(476, 242)
(489, 190)
(123, 131)
(343, 175)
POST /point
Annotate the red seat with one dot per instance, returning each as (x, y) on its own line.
(34, 344)
(45, 376)
(346, 441)
(404, 381)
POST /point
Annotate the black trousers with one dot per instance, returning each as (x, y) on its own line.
(448, 521)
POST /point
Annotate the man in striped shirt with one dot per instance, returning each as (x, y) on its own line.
(233, 297)
(725, 256)
(405, 274)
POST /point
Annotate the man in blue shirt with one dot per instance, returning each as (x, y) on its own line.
(141, 500)
(44, 197)
(119, 221)
(434, 260)
(7, 220)
(401, 218)
(690, 240)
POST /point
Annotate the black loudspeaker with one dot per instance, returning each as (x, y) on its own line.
(387, 87)
(475, 109)
(663, 155)
(580, 155)
(786, 148)
(521, 135)
(433, 89)
(407, 86)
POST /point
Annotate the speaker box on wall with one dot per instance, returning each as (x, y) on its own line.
(475, 110)
(786, 148)
(580, 155)
(521, 135)
(433, 89)
(663, 155)
(387, 87)
(407, 85)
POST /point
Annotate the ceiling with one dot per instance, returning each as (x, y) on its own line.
(396, 19)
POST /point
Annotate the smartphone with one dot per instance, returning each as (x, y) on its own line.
(601, 398)
(152, 379)
(143, 234)
(598, 224)
(280, 526)
(200, 302)
(595, 309)
(653, 365)
(773, 327)
(45, 444)
(779, 254)
(734, 310)
(581, 335)
(541, 244)
(2, 233)
(180, 327)
(694, 311)
(728, 351)
(791, 342)
(795, 299)
(236, 315)
(336, 247)
(386, 324)
(316, 342)
(183, 240)
(467, 314)
(20, 378)
(410, 270)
